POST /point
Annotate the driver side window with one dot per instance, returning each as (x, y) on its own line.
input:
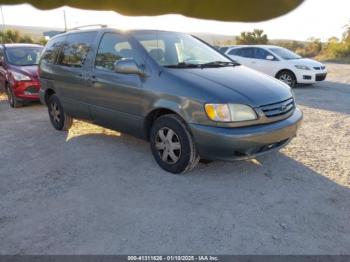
(261, 53)
(113, 47)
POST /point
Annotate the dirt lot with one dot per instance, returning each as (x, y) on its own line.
(95, 191)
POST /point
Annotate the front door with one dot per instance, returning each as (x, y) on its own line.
(264, 65)
(115, 98)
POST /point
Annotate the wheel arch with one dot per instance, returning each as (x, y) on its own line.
(286, 69)
(48, 93)
(153, 115)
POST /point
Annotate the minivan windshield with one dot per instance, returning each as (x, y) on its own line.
(177, 50)
(285, 53)
(23, 56)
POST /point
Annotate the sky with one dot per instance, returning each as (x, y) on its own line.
(314, 18)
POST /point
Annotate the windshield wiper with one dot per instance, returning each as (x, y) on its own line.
(182, 65)
(219, 64)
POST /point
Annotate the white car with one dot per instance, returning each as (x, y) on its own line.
(279, 62)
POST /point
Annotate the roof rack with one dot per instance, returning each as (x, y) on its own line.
(87, 26)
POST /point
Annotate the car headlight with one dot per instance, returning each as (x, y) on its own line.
(302, 67)
(230, 112)
(20, 77)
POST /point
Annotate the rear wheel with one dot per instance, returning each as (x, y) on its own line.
(287, 77)
(172, 144)
(11, 98)
(59, 119)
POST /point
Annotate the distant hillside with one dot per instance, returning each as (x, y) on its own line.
(215, 39)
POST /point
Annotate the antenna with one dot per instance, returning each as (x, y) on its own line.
(2, 17)
(65, 20)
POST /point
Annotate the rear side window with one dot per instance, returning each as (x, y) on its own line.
(113, 47)
(52, 49)
(75, 49)
(235, 51)
(247, 52)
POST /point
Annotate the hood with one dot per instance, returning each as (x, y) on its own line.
(237, 84)
(31, 71)
(306, 62)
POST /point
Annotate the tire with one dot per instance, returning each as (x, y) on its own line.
(172, 144)
(11, 98)
(59, 119)
(287, 77)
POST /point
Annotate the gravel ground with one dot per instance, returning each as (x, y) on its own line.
(96, 191)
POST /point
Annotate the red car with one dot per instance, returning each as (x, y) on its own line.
(19, 72)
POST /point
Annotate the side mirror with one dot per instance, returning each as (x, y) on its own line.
(1, 62)
(270, 57)
(127, 66)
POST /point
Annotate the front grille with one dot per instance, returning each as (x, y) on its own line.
(31, 90)
(278, 109)
(321, 77)
(319, 67)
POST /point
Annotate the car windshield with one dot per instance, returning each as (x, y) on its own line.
(177, 50)
(285, 53)
(23, 56)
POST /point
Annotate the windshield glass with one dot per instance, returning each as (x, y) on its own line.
(23, 56)
(285, 53)
(172, 49)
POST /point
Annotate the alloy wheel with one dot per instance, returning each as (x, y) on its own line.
(168, 145)
(55, 112)
(286, 78)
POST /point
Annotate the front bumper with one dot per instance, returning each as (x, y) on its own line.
(244, 142)
(310, 76)
(27, 90)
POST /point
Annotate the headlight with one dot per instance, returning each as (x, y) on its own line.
(20, 77)
(302, 67)
(230, 112)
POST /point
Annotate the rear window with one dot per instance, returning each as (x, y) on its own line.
(75, 49)
(223, 49)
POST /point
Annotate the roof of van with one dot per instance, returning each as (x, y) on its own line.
(20, 45)
(109, 29)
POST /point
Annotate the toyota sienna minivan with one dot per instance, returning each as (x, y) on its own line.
(172, 89)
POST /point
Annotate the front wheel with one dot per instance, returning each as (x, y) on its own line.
(172, 144)
(11, 98)
(287, 77)
(59, 119)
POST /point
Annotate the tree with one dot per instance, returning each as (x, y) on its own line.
(255, 37)
(14, 36)
(10, 36)
(26, 39)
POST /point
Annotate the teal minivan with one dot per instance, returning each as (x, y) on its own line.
(172, 89)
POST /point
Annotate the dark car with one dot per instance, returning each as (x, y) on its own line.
(19, 72)
(170, 88)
